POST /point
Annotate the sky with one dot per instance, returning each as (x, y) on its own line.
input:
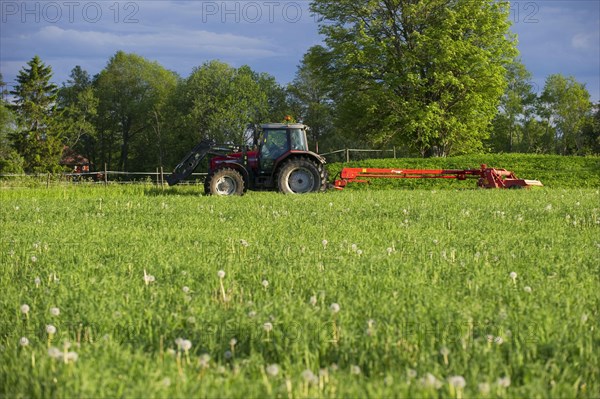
(270, 36)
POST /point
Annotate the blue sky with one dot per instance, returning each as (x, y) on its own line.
(270, 36)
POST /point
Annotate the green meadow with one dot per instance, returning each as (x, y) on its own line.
(140, 291)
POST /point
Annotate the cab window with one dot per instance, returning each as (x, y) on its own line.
(273, 145)
(298, 140)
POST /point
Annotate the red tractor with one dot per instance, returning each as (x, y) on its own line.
(281, 162)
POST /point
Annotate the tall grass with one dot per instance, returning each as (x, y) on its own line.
(428, 305)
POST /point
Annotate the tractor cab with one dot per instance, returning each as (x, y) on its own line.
(277, 141)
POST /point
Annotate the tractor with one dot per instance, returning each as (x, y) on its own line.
(281, 161)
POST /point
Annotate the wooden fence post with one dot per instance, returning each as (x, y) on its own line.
(347, 155)
(394, 152)
(105, 174)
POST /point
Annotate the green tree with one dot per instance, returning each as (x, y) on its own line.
(226, 104)
(10, 160)
(132, 92)
(276, 106)
(78, 105)
(565, 105)
(310, 99)
(37, 138)
(517, 108)
(591, 133)
(426, 74)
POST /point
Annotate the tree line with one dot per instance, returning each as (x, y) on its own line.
(434, 78)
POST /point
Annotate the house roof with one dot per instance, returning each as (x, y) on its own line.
(71, 158)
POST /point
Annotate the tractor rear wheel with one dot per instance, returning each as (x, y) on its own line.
(225, 181)
(301, 175)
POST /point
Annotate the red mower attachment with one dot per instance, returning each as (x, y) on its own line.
(488, 177)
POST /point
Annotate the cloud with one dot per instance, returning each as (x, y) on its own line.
(180, 41)
(583, 41)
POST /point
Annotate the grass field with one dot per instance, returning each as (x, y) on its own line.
(381, 293)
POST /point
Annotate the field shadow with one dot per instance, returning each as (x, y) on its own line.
(174, 191)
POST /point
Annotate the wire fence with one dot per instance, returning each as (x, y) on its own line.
(159, 175)
(107, 177)
(354, 154)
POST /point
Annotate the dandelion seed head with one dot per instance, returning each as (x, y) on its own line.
(513, 275)
(324, 242)
(23, 341)
(444, 351)
(268, 326)
(204, 361)
(309, 377)
(50, 329)
(503, 382)
(335, 308)
(232, 342)
(55, 311)
(265, 283)
(24, 308)
(272, 369)
(389, 250)
(499, 340)
(484, 388)
(148, 278)
(354, 247)
(54, 352)
(183, 344)
(584, 318)
(359, 252)
(411, 373)
(355, 370)
(430, 381)
(221, 274)
(313, 300)
(186, 289)
(37, 281)
(71, 357)
(34, 259)
(457, 381)
(527, 289)
(228, 355)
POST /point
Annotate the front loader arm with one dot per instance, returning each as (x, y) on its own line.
(187, 166)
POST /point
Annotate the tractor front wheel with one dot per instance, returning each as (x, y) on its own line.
(224, 181)
(299, 176)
